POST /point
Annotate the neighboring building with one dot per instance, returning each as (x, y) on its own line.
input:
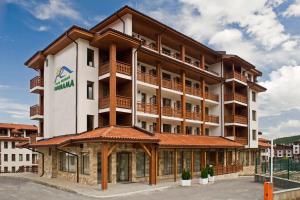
(283, 151)
(133, 100)
(296, 150)
(13, 159)
(265, 149)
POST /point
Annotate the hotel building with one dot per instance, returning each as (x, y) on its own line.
(13, 159)
(132, 99)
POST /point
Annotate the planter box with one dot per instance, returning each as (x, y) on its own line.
(186, 182)
(211, 178)
(203, 181)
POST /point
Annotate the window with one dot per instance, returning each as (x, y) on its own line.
(27, 157)
(13, 145)
(197, 158)
(20, 157)
(85, 163)
(207, 131)
(178, 129)
(67, 162)
(168, 158)
(90, 57)
(90, 122)
(253, 134)
(188, 130)
(5, 157)
(253, 96)
(141, 164)
(143, 98)
(5, 145)
(13, 169)
(188, 107)
(143, 69)
(90, 90)
(153, 128)
(197, 131)
(5, 169)
(253, 115)
(144, 125)
(166, 102)
(166, 76)
(3, 132)
(167, 128)
(13, 157)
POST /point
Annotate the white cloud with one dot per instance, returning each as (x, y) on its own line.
(42, 28)
(13, 109)
(285, 128)
(293, 10)
(282, 93)
(4, 87)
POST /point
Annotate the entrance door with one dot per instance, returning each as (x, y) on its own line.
(99, 168)
(123, 167)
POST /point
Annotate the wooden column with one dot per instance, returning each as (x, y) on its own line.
(175, 164)
(104, 165)
(202, 61)
(158, 42)
(233, 105)
(225, 157)
(158, 98)
(112, 84)
(192, 163)
(235, 157)
(217, 157)
(203, 106)
(182, 53)
(183, 101)
(153, 167)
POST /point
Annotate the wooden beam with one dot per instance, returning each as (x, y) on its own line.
(146, 149)
(158, 98)
(158, 42)
(202, 61)
(104, 165)
(183, 101)
(203, 106)
(182, 52)
(152, 175)
(113, 84)
(111, 149)
(175, 164)
(192, 163)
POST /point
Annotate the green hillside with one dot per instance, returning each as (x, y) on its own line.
(287, 140)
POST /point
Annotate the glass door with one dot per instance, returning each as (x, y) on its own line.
(123, 167)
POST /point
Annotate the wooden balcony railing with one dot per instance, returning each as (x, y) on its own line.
(173, 85)
(147, 108)
(193, 91)
(36, 110)
(147, 78)
(221, 169)
(122, 102)
(122, 68)
(171, 112)
(212, 71)
(236, 97)
(236, 119)
(242, 140)
(36, 81)
(211, 96)
(193, 115)
(236, 75)
(212, 118)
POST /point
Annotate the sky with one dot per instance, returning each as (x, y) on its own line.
(264, 32)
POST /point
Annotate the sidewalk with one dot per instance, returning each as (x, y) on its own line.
(114, 190)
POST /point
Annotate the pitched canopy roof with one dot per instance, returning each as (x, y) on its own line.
(18, 126)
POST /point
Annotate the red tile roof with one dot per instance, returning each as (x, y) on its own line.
(13, 139)
(173, 140)
(18, 126)
(263, 143)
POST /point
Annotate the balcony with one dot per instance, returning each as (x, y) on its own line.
(36, 84)
(147, 108)
(236, 97)
(193, 91)
(36, 112)
(171, 112)
(146, 42)
(173, 85)
(147, 78)
(240, 119)
(122, 102)
(122, 68)
(193, 115)
(212, 119)
(236, 75)
(242, 140)
(170, 53)
(211, 96)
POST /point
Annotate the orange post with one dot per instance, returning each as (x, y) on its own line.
(268, 191)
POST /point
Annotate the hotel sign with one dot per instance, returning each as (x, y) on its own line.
(63, 78)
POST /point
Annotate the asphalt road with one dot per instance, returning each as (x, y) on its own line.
(238, 189)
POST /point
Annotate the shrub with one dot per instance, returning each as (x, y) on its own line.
(186, 175)
(204, 173)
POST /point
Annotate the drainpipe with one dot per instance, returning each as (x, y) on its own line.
(222, 101)
(43, 171)
(134, 82)
(77, 162)
(122, 22)
(76, 84)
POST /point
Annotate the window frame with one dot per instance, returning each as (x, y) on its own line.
(90, 84)
(90, 52)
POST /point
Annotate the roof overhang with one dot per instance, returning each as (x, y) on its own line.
(256, 87)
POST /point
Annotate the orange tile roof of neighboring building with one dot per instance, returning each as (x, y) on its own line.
(196, 141)
(13, 139)
(18, 126)
(55, 141)
(263, 145)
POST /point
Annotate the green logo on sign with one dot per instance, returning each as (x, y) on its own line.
(63, 78)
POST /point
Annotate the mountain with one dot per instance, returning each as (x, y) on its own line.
(287, 140)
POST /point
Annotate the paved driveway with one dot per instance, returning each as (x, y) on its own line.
(236, 189)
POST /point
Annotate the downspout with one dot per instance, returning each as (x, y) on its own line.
(76, 84)
(222, 100)
(77, 162)
(134, 82)
(122, 22)
(43, 162)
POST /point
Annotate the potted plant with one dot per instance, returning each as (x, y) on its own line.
(186, 178)
(211, 177)
(204, 176)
